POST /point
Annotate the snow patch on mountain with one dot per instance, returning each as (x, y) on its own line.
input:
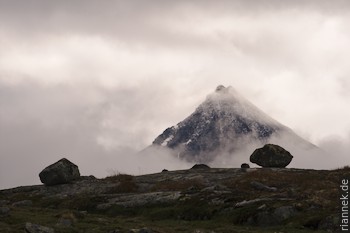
(224, 123)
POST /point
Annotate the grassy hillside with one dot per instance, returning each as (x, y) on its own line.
(203, 200)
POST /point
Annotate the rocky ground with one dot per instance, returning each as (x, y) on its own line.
(194, 200)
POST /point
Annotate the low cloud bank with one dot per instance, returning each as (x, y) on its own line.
(102, 130)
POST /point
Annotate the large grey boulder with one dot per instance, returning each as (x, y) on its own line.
(272, 217)
(34, 228)
(61, 172)
(271, 156)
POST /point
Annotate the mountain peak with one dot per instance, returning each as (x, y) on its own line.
(220, 88)
(225, 122)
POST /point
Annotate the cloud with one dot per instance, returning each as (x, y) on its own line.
(98, 128)
(89, 79)
(338, 149)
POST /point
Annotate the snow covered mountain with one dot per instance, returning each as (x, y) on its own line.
(225, 123)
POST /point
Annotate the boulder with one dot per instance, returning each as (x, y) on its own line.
(34, 228)
(245, 165)
(4, 202)
(271, 156)
(271, 217)
(61, 172)
(284, 212)
(23, 203)
(259, 186)
(200, 166)
(142, 230)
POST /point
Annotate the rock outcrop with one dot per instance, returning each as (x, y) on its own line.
(272, 198)
(271, 156)
(272, 217)
(34, 228)
(61, 172)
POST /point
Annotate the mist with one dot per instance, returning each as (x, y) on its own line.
(97, 82)
(102, 130)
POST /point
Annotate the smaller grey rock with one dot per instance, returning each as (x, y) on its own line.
(142, 230)
(4, 211)
(245, 165)
(4, 202)
(82, 214)
(266, 217)
(259, 186)
(200, 166)
(103, 206)
(34, 228)
(284, 212)
(262, 207)
(146, 230)
(249, 202)
(330, 224)
(23, 203)
(65, 222)
(61, 172)
(115, 231)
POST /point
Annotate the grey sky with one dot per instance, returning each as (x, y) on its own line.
(97, 80)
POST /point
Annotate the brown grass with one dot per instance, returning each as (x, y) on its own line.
(178, 185)
(124, 183)
(316, 188)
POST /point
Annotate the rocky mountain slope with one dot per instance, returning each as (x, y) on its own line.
(223, 125)
(193, 200)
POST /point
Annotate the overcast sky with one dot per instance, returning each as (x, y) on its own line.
(95, 81)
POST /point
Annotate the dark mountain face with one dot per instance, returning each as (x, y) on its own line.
(224, 123)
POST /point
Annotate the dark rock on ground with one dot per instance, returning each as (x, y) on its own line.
(4, 211)
(260, 186)
(272, 217)
(284, 212)
(64, 222)
(22, 203)
(330, 223)
(34, 228)
(142, 230)
(4, 202)
(165, 170)
(200, 166)
(61, 172)
(265, 199)
(271, 156)
(245, 165)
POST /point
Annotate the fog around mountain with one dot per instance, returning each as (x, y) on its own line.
(97, 81)
(225, 129)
